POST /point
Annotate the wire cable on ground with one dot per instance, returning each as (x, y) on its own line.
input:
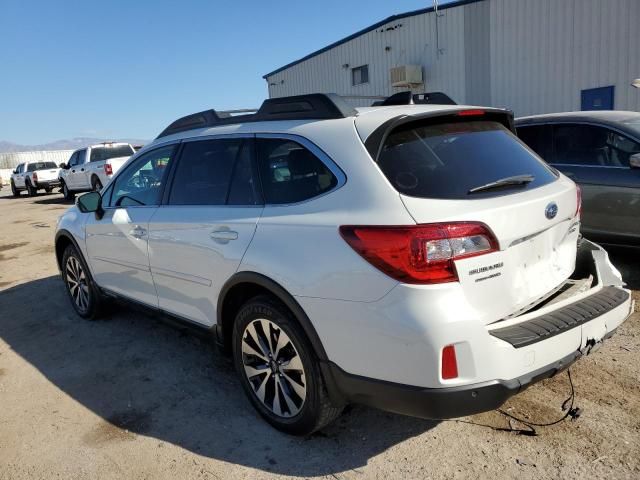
(571, 411)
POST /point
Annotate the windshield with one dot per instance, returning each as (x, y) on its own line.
(40, 166)
(105, 153)
(448, 160)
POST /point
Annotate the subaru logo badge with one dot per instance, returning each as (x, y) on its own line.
(551, 211)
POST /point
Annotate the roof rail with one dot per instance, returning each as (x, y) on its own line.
(408, 98)
(314, 106)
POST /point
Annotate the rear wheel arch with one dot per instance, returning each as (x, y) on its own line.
(246, 285)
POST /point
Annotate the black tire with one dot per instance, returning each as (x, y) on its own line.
(68, 194)
(315, 410)
(14, 191)
(89, 307)
(48, 189)
(31, 190)
(96, 184)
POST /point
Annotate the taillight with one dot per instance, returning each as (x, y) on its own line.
(420, 254)
(35, 177)
(579, 201)
(107, 169)
(449, 363)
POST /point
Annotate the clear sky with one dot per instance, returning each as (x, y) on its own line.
(127, 68)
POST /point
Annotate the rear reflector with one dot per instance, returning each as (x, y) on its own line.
(449, 363)
(470, 113)
(107, 169)
(420, 254)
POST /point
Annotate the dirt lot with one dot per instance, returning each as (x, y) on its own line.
(132, 397)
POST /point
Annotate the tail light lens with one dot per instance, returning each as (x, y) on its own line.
(449, 363)
(420, 254)
(107, 169)
(579, 201)
(35, 177)
(470, 113)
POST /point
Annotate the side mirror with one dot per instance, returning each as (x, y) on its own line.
(91, 202)
(63, 166)
(634, 160)
(15, 172)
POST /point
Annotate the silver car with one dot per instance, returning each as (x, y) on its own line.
(599, 150)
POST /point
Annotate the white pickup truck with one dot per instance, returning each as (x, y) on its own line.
(92, 167)
(34, 176)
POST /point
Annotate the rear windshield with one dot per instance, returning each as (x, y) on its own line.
(32, 167)
(105, 153)
(448, 160)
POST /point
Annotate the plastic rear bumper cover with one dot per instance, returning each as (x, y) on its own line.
(439, 403)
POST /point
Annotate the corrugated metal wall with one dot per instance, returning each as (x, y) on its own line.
(533, 56)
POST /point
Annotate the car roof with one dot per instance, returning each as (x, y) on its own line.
(367, 119)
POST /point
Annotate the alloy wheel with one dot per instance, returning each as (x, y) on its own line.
(77, 283)
(274, 368)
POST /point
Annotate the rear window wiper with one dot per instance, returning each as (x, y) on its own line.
(503, 182)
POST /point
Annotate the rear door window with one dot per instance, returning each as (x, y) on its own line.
(447, 160)
(538, 138)
(291, 173)
(205, 171)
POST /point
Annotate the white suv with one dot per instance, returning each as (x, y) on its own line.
(92, 167)
(416, 258)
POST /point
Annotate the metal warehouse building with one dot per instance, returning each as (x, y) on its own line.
(533, 56)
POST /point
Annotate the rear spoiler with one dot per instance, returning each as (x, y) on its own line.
(377, 138)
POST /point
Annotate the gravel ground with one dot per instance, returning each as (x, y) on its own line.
(132, 397)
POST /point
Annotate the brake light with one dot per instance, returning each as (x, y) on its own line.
(579, 201)
(420, 254)
(35, 177)
(470, 113)
(449, 363)
(107, 169)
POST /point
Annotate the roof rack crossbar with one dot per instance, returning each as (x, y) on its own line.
(408, 98)
(314, 106)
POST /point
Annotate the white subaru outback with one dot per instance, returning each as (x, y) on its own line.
(415, 258)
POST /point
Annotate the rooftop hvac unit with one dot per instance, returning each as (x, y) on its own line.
(406, 75)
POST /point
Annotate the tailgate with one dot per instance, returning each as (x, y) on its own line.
(48, 175)
(471, 168)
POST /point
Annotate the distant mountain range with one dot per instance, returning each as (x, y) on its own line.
(69, 144)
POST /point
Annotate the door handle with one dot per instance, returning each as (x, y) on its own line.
(137, 232)
(223, 236)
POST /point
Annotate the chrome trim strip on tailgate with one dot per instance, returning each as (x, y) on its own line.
(563, 319)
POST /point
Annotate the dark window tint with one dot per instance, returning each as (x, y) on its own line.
(141, 182)
(243, 189)
(105, 153)
(204, 172)
(40, 166)
(290, 173)
(82, 156)
(73, 160)
(449, 159)
(591, 145)
(360, 75)
(538, 138)
(19, 168)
